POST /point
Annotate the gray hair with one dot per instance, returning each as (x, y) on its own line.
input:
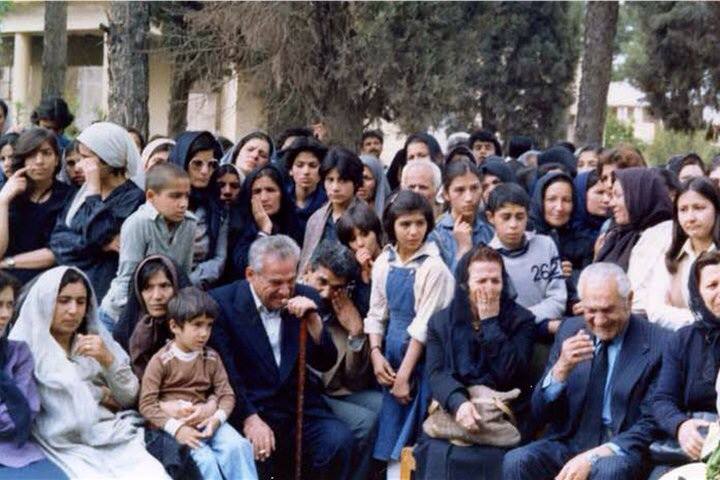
(604, 271)
(423, 163)
(280, 247)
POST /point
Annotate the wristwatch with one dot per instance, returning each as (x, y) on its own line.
(8, 262)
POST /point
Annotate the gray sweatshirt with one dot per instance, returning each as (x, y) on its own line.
(536, 273)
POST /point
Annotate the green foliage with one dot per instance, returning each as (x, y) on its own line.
(618, 132)
(668, 143)
(675, 60)
(527, 54)
(418, 64)
(629, 48)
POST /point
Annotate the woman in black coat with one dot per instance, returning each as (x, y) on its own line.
(482, 338)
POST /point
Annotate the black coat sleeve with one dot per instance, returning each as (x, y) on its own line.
(444, 387)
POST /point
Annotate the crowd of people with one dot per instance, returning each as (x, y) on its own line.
(197, 308)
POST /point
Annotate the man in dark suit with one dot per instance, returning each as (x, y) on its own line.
(595, 394)
(257, 336)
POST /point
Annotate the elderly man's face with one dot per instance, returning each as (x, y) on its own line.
(606, 312)
(420, 180)
(275, 283)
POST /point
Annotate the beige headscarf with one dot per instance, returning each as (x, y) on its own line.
(151, 147)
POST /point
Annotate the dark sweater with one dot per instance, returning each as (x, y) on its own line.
(31, 225)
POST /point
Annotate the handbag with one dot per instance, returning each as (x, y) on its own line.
(497, 425)
(669, 452)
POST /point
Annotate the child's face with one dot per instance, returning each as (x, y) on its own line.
(194, 334)
(73, 170)
(366, 240)
(340, 192)
(172, 201)
(509, 221)
(410, 230)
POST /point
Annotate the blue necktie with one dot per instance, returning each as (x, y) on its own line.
(591, 430)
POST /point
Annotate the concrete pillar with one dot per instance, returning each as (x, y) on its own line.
(21, 75)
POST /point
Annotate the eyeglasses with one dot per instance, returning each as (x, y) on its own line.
(199, 164)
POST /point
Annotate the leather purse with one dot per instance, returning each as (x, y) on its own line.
(497, 427)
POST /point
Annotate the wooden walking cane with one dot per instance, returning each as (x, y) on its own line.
(300, 397)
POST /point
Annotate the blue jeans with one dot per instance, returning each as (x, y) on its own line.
(227, 455)
(40, 470)
(359, 411)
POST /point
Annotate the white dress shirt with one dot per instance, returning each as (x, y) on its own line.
(271, 320)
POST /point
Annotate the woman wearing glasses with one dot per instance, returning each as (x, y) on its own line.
(198, 154)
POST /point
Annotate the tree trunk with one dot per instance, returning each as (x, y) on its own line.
(179, 91)
(54, 56)
(128, 59)
(600, 26)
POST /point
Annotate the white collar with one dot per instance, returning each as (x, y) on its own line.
(184, 356)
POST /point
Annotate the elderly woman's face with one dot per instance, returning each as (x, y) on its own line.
(710, 288)
(484, 277)
(70, 308)
(606, 311)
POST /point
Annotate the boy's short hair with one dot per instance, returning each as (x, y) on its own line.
(160, 175)
(189, 303)
(348, 165)
(507, 193)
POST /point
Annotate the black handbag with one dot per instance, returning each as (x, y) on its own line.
(668, 451)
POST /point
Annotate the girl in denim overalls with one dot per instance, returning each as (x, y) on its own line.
(410, 282)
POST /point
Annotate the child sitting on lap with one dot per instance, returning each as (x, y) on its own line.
(185, 373)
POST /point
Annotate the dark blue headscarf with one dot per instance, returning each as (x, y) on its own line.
(582, 220)
(496, 166)
(560, 156)
(572, 244)
(201, 197)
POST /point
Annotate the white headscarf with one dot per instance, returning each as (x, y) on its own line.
(151, 147)
(113, 144)
(69, 404)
